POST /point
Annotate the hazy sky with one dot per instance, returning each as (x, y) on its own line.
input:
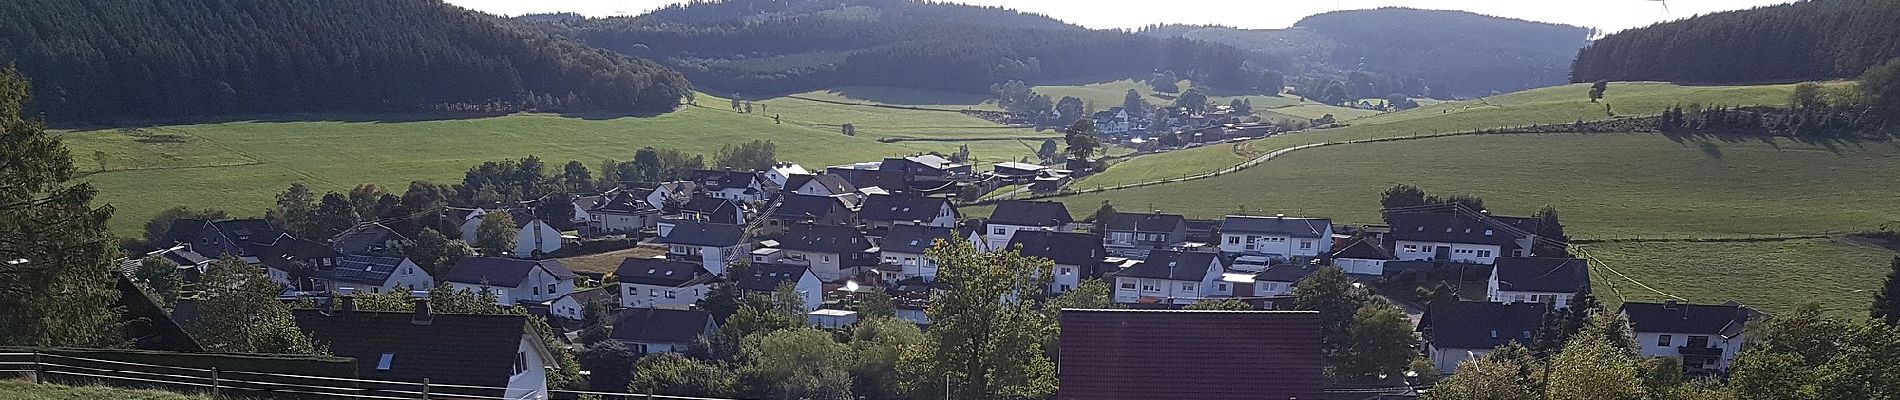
(1607, 15)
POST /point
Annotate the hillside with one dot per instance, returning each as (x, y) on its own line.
(136, 59)
(1807, 40)
(774, 46)
(1458, 54)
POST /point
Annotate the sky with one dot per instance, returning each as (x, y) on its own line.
(1605, 15)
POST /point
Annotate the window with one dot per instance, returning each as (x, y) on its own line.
(537, 290)
(552, 286)
(1187, 287)
(1128, 285)
(1698, 342)
(1411, 248)
(1664, 340)
(999, 231)
(383, 364)
(1494, 334)
(1150, 287)
(1068, 270)
(521, 363)
(1233, 240)
(653, 292)
(1065, 288)
(633, 291)
(1306, 245)
(669, 294)
(1220, 286)
(1484, 253)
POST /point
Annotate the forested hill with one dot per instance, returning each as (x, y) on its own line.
(1456, 53)
(776, 46)
(117, 59)
(1808, 40)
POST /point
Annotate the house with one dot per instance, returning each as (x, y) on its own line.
(833, 252)
(618, 214)
(369, 238)
(881, 211)
(734, 185)
(1114, 121)
(1169, 277)
(660, 330)
(662, 283)
(832, 319)
(868, 175)
(1364, 256)
(715, 210)
(1278, 280)
(582, 218)
(1278, 237)
(926, 168)
(215, 239)
(712, 245)
(1459, 237)
(819, 185)
(1203, 231)
(296, 263)
(796, 209)
(1705, 337)
(781, 173)
(1545, 280)
(765, 278)
(512, 280)
(376, 274)
(1077, 256)
(1015, 215)
(466, 220)
(670, 192)
(533, 237)
(1135, 234)
(905, 246)
(1202, 355)
(573, 306)
(1456, 331)
(1017, 173)
(488, 351)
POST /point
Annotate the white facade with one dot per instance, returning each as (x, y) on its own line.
(832, 319)
(1361, 266)
(1132, 290)
(1485, 254)
(827, 266)
(913, 264)
(636, 295)
(469, 225)
(1272, 288)
(530, 378)
(1067, 276)
(782, 172)
(611, 222)
(1277, 244)
(1447, 359)
(538, 286)
(714, 258)
(1657, 344)
(536, 238)
(407, 277)
(568, 307)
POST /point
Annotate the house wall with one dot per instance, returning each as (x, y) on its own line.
(1485, 254)
(914, 264)
(634, 295)
(1067, 276)
(408, 276)
(610, 223)
(1361, 266)
(1281, 245)
(1271, 288)
(914, 315)
(827, 266)
(713, 258)
(532, 383)
(1648, 344)
(1447, 359)
(468, 228)
(567, 307)
(537, 238)
(812, 290)
(1162, 289)
(533, 288)
(1556, 300)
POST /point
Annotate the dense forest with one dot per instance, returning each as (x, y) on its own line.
(777, 46)
(1455, 53)
(1808, 40)
(94, 59)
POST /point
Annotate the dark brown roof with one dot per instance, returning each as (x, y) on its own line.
(457, 349)
(1203, 355)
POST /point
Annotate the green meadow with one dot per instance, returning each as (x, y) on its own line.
(1775, 276)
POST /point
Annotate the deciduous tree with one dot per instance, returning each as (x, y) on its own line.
(672, 374)
(496, 233)
(238, 312)
(985, 340)
(798, 363)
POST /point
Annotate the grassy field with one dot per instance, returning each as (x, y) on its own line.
(1775, 276)
(1605, 185)
(239, 166)
(1102, 95)
(1551, 105)
(25, 390)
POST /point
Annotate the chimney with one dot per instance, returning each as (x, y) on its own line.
(1279, 216)
(423, 315)
(345, 300)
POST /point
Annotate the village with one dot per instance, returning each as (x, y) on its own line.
(844, 234)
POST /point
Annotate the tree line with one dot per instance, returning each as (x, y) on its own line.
(1800, 41)
(118, 59)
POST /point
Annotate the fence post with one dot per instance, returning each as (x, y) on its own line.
(649, 394)
(39, 369)
(425, 388)
(214, 383)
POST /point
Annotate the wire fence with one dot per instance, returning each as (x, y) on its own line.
(227, 384)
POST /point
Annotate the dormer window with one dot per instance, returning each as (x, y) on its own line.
(1487, 232)
(383, 363)
(1494, 334)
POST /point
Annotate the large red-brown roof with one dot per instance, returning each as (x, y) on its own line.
(1203, 355)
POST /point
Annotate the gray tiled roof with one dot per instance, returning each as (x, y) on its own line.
(1559, 275)
(501, 272)
(1030, 213)
(1172, 265)
(694, 233)
(658, 325)
(914, 239)
(1312, 228)
(1469, 324)
(661, 272)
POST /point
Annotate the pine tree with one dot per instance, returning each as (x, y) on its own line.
(1887, 301)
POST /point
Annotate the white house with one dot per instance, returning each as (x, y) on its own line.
(905, 245)
(620, 213)
(1169, 277)
(1279, 279)
(1017, 215)
(661, 283)
(535, 238)
(678, 191)
(1278, 236)
(661, 330)
(887, 210)
(734, 185)
(512, 280)
(1455, 331)
(1552, 281)
(834, 253)
(1077, 256)
(780, 173)
(819, 185)
(377, 274)
(712, 245)
(832, 319)
(1135, 234)
(1705, 337)
(1474, 239)
(489, 351)
(1364, 256)
(765, 278)
(573, 306)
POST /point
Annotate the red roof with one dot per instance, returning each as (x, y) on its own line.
(1205, 355)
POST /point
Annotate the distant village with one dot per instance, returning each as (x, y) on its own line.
(837, 235)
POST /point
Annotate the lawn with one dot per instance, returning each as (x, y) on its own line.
(1559, 104)
(239, 166)
(1775, 276)
(24, 390)
(1605, 185)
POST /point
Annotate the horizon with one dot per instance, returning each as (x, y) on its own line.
(1605, 16)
